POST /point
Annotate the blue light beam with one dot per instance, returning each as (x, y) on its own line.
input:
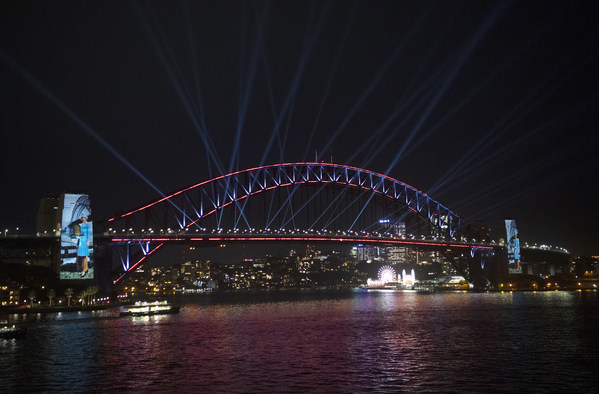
(462, 57)
(373, 83)
(77, 120)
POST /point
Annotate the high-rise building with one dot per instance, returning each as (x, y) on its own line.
(49, 216)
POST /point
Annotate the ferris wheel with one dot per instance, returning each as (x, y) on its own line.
(387, 274)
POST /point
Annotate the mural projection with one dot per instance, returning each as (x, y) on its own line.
(513, 247)
(76, 239)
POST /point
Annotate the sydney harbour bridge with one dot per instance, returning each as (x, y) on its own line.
(295, 202)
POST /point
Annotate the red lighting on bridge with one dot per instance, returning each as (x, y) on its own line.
(367, 240)
(282, 185)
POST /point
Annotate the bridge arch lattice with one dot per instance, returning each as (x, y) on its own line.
(190, 207)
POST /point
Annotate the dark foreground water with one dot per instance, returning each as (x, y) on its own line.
(318, 342)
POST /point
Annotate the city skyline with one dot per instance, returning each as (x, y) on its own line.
(490, 108)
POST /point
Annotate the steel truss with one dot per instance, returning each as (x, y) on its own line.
(186, 208)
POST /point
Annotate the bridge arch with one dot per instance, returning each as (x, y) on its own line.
(189, 207)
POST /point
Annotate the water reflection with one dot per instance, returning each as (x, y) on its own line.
(350, 342)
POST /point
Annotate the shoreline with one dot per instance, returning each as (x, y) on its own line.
(7, 310)
(55, 309)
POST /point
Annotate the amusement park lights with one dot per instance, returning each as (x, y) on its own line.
(387, 274)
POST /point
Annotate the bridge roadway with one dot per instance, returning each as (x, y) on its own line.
(331, 237)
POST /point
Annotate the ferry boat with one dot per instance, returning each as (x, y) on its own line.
(11, 331)
(383, 286)
(143, 308)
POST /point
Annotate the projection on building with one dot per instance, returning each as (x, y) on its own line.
(76, 239)
(513, 246)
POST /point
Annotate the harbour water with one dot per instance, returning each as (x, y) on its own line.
(342, 342)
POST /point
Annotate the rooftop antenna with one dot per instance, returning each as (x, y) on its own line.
(331, 154)
(316, 156)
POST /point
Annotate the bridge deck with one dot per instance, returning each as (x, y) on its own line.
(347, 239)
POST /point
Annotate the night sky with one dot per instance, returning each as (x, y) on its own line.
(491, 108)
